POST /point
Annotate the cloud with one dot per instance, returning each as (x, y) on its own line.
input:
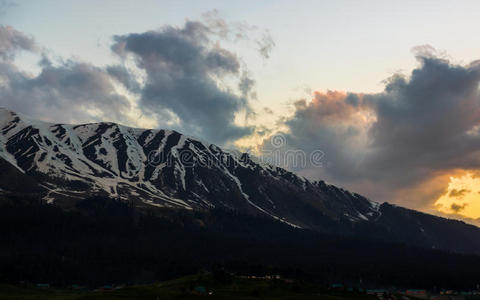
(179, 77)
(426, 123)
(268, 111)
(232, 31)
(125, 77)
(239, 31)
(458, 193)
(266, 44)
(246, 85)
(333, 122)
(386, 144)
(12, 41)
(185, 72)
(71, 92)
(67, 92)
(457, 207)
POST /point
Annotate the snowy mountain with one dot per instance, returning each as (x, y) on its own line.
(165, 169)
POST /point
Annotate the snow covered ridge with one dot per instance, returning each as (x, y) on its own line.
(163, 168)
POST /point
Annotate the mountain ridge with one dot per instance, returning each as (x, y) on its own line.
(165, 169)
(113, 157)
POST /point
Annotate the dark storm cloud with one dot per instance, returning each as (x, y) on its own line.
(184, 71)
(426, 123)
(66, 92)
(416, 128)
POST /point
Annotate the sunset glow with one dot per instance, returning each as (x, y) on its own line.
(462, 196)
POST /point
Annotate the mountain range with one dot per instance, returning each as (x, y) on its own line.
(156, 170)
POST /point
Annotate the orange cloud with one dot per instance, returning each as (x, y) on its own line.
(462, 196)
(334, 105)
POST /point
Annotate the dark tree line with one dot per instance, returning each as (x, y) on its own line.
(104, 241)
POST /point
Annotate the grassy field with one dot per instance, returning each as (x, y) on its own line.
(193, 287)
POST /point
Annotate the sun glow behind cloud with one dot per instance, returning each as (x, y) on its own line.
(462, 196)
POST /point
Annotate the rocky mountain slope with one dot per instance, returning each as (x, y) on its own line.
(165, 169)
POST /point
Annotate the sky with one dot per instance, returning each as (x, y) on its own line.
(387, 92)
